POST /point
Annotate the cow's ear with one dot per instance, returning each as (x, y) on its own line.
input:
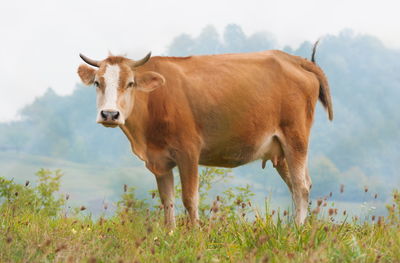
(148, 81)
(86, 74)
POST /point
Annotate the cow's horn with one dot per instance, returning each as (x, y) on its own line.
(142, 61)
(90, 61)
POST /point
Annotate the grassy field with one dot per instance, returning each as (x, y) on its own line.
(37, 225)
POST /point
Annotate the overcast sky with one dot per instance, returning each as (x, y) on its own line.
(40, 40)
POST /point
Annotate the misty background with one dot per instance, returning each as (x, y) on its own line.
(359, 149)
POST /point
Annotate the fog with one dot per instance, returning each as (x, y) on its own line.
(41, 40)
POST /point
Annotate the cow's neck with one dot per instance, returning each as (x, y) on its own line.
(135, 125)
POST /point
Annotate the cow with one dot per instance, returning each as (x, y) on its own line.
(222, 110)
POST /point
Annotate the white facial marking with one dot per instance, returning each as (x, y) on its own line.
(111, 78)
(108, 100)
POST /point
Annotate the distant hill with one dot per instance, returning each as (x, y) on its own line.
(359, 148)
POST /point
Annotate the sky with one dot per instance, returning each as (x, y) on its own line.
(40, 40)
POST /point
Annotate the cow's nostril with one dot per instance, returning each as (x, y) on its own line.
(104, 114)
(114, 115)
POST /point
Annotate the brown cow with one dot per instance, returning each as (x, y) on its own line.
(219, 110)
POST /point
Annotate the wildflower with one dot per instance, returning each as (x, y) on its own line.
(262, 239)
(238, 201)
(319, 202)
(170, 233)
(74, 231)
(138, 243)
(153, 195)
(316, 210)
(88, 229)
(155, 239)
(149, 229)
(47, 243)
(215, 208)
(265, 259)
(285, 213)
(58, 249)
(330, 211)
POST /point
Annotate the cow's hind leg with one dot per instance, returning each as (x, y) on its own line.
(295, 150)
(165, 184)
(283, 171)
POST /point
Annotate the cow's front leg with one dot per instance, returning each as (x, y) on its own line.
(165, 184)
(188, 171)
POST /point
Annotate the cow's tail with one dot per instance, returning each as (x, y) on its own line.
(324, 91)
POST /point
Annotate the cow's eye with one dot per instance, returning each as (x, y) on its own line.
(96, 84)
(130, 84)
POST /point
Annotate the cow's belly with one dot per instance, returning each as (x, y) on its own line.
(235, 154)
(229, 156)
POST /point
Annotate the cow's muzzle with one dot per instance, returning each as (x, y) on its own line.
(110, 118)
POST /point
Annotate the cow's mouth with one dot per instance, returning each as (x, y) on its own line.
(109, 124)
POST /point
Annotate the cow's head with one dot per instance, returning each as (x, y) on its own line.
(116, 82)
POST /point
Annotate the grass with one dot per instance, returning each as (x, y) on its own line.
(36, 225)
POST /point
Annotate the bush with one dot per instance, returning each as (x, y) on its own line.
(40, 199)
